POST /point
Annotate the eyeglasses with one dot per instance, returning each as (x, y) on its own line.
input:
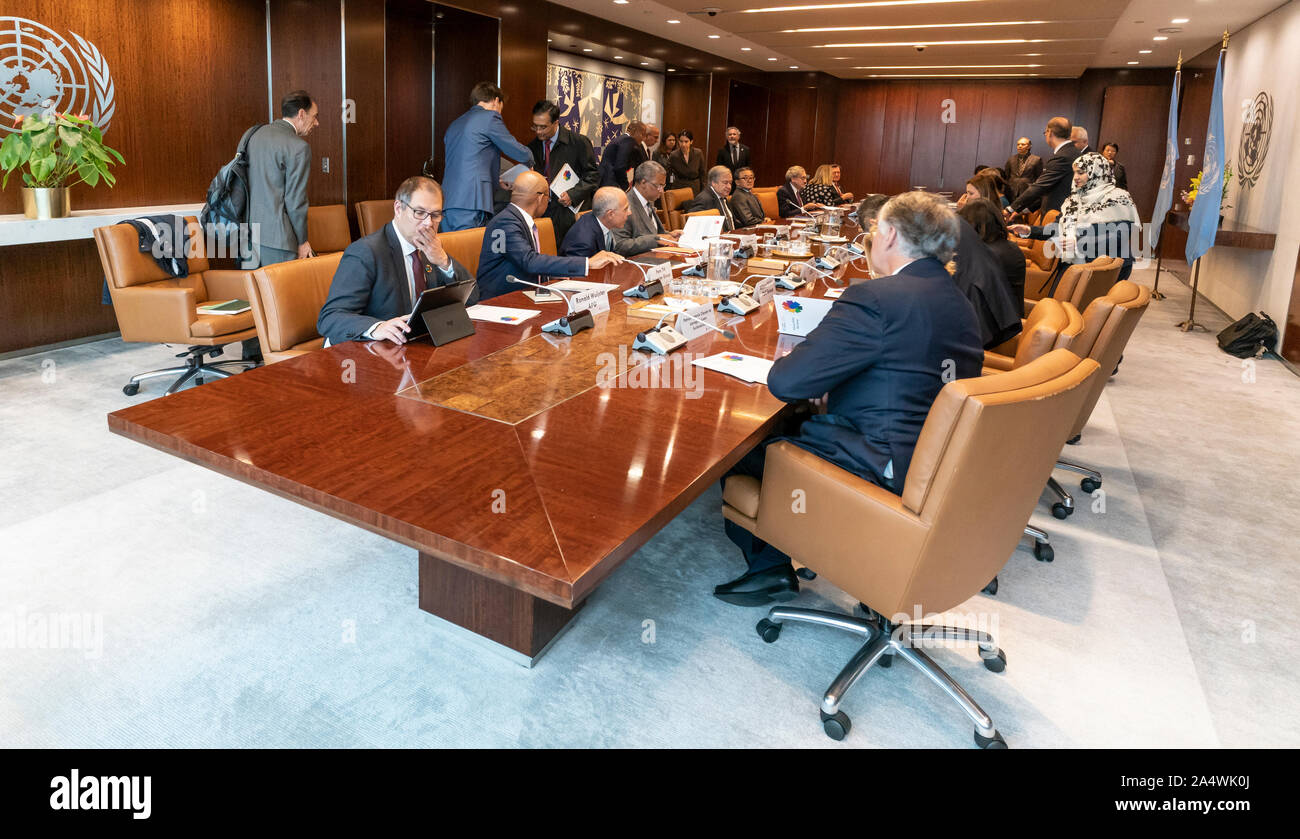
(540, 128)
(421, 214)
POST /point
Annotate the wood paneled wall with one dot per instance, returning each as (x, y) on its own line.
(465, 53)
(181, 104)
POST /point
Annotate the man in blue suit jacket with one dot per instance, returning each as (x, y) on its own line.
(879, 358)
(594, 232)
(626, 152)
(474, 144)
(380, 275)
(511, 245)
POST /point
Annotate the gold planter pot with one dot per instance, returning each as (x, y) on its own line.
(46, 203)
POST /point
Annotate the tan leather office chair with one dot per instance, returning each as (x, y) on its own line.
(287, 298)
(465, 246)
(546, 233)
(1082, 283)
(977, 472)
(673, 201)
(372, 215)
(327, 229)
(1039, 266)
(699, 213)
(153, 307)
(768, 201)
(1108, 323)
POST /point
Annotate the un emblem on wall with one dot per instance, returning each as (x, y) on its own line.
(1254, 139)
(40, 71)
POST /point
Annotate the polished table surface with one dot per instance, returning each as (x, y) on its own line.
(499, 454)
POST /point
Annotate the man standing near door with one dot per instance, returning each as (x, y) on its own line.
(279, 163)
(552, 148)
(474, 144)
(734, 154)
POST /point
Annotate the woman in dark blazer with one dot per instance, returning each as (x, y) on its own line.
(686, 165)
(988, 223)
(666, 148)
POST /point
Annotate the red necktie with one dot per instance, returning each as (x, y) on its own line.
(417, 274)
(547, 147)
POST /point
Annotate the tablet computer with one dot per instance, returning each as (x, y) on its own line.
(436, 299)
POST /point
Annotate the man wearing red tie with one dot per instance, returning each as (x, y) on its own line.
(553, 147)
(381, 275)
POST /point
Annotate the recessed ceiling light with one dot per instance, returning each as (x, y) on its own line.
(1180, 20)
(916, 26)
(671, 70)
(794, 66)
(866, 5)
(586, 49)
(771, 59)
(1144, 52)
(715, 36)
(645, 63)
(621, 2)
(939, 43)
(1132, 62)
(1160, 38)
(617, 57)
(674, 20)
(746, 49)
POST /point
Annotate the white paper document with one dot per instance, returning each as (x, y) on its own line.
(699, 228)
(747, 368)
(500, 314)
(799, 315)
(566, 180)
(513, 172)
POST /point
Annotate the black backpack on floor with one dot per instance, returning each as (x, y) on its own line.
(227, 201)
(1249, 337)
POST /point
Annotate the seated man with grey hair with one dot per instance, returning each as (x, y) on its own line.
(594, 232)
(714, 197)
(643, 230)
(869, 209)
(876, 362)
(789, 198)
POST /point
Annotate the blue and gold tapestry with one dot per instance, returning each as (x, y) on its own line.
(593, 104)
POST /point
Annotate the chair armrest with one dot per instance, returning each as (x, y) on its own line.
(155, 313)
(225, 285)
(997, 361)
(858, 535)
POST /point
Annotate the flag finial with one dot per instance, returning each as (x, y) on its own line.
(1225, 39)
(1179, 68)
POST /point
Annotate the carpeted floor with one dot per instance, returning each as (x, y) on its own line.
(231, 617)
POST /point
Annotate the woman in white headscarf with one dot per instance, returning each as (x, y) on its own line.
(1098, 219)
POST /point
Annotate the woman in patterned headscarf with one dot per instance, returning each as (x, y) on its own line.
(1098, 219)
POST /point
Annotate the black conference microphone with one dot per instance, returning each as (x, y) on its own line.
(570, 324)
(664, 339)
(646, 288)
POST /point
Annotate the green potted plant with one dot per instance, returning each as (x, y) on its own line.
(55, 152)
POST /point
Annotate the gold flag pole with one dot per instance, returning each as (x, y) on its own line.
(1179, 68)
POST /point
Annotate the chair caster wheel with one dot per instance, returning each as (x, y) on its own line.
(1061, 511)
(768, 631)
(132, 389)
(1089, 485)
(198, 380)
(806, 574)
(1043, 552)
(1073, 441)
(995, 661)
(836, 726)
(886, 661)
(994, 742)
(992, 587)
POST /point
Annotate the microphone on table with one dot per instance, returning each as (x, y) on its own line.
(663, 339)
(647, 288)
(570, 324)
(741, 302)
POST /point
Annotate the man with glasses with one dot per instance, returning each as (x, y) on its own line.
(789, 198)
(643, 229)
(745, 205)
(512, 245)
(381, 275)
(552, 148)
(1053, 186)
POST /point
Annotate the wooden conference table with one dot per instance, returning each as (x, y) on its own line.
(521, 482)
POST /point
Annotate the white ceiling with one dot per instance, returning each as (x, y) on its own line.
(1038, 39)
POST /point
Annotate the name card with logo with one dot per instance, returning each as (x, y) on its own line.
(596, 300)
(691, 326)
(764, 290)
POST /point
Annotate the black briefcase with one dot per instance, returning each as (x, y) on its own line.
(1250, 337)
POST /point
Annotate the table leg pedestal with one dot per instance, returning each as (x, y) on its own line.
(491, 610)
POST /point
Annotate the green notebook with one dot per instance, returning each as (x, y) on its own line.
(230, 307)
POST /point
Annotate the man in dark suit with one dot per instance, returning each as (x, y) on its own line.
(1079, 136)
(714, 197)
(1023, 164)
(511, 245)
(1110, 151)
(1050, 189)
(627, 152)
(552, 149)
(380, 275)
(594, 232)
(279, 163)
(643, 230)
(789, 198)
(474, 144)
(876, 361)
(745, 205)
(734, 154)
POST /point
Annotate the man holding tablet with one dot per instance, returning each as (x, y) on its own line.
(381, 275)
